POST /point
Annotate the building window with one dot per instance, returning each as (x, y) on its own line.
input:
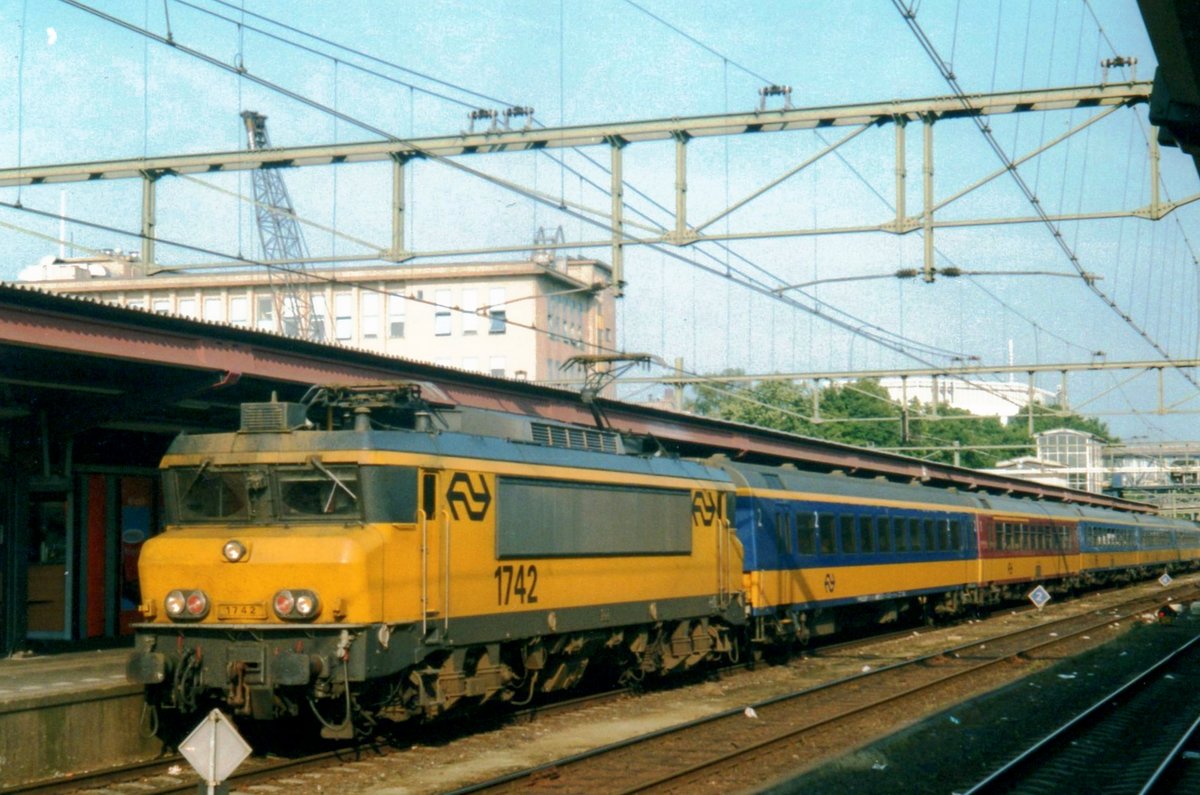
(239, 310)
(496, 311)
(135, 303)
(396, 316)
(214, 308)
(266, 313)
(496, 364)
(161, 306)
(187, 307)
(370, 315)
(291, 315)
(343, 316)
(318, 317)
(441, 313)
(470, 307)
(471, 363)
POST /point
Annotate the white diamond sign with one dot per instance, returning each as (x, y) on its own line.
(1165, 580)
(214, 748)
(1039, 596)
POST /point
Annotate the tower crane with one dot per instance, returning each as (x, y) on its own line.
(282, 240)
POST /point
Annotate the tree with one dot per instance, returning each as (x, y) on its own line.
(861, 413)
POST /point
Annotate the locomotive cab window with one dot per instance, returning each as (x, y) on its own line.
(429, 494)
(204, 494)
(318, 491)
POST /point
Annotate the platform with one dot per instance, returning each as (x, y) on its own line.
(67, 713)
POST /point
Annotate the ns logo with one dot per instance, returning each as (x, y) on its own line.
(465, 497)
(707, 507)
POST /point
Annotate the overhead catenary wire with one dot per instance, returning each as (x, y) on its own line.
(910, 19)
(817, 303)
(311, 103)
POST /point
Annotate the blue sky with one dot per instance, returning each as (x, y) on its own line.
(79, 88)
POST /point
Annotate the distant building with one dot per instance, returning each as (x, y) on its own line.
(1081, 453)
(1064, 457)
(519, 319)
(1001, 399)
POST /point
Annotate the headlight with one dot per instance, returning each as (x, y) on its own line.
(234, 551)
(186, 604)
(296, 604)
(174, 603)
(306, 605)
(197, 604)
(284, 603)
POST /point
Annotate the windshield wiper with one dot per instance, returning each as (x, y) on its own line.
(195, 478)
(316, 463)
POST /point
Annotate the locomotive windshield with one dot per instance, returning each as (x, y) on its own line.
(313, 492)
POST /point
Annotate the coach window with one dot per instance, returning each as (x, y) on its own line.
(883, 532)
(783, 532)
(930, 535)
(866, 534)
(949, 534)
(846, 525)
(806, 530)
(900, 534)
(825, 524)
(914, 534)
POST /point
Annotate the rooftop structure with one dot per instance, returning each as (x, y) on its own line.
(1003, 399)
(521, 319)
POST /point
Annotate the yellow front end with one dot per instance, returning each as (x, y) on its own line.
(341, 566)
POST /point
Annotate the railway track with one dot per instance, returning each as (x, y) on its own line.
(1152, 720)
(154, 778)
(741, 748)
(171, 774)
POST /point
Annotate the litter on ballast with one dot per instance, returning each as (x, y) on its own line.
(750, 713)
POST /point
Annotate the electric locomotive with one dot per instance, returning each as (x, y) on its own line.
(407, 558)
(448, 557)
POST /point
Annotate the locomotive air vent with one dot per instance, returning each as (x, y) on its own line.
(574, 438)
(273, 417)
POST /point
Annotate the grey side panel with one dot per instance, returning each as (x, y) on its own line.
(550, 518)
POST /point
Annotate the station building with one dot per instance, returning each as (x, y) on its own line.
(477, 316)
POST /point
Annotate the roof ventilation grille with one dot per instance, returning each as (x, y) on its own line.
(273, 417)
(574, 438)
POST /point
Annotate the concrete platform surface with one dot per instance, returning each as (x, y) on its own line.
(68, 713)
